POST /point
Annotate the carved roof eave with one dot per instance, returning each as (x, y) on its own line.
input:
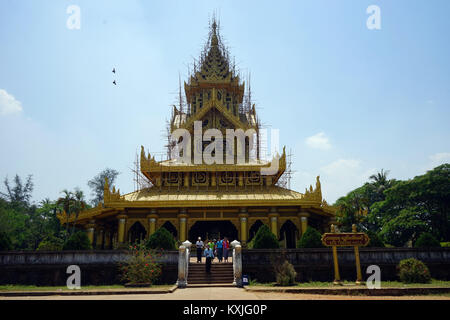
(214, 103)
(148, 164)
(117, 207)
(84, 215)
(211, 203)
(231, 85)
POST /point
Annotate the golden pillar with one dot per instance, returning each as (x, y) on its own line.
(303, 221)
(243, 217)
(90, 228)
(213, 179)
(152, 226)
(273, 216)
(152, 218)
(186, 179)
(183, 222)
(121, 228)
(241, 179)
(101, 234)
(107, 239)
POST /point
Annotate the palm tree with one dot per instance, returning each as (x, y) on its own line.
(380, 178)
(381, 183)
(79, 204)
(66, 202)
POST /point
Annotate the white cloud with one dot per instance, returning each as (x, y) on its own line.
(438, 159)
(341, 176)
(318, 141)
(8, 104)
(341, 166)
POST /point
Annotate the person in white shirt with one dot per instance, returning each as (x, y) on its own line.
(199, 245)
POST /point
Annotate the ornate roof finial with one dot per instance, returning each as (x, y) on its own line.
(214, 39)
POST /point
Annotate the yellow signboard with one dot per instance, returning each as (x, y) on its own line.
(345, 239)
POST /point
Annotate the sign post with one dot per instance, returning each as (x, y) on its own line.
(337, 276)
(358, 264)
(353, 239)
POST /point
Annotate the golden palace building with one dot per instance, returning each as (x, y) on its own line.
(209, 200)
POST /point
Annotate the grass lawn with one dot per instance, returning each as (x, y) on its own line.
(13, 287)
(384, 284)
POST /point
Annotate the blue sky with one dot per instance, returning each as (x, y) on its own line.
(348, 100)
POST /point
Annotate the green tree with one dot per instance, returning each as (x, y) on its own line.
(97, 184)
(405, 226)
(265, 239)
(78, 241)
(5, 242)
(17, 213)
(18, 195)
(415, 206)
(310, 239)
(375, 241)
(78, 205)
(380, 183)
(161, 239)
(351, 208)
(66, 203)
(426, 240)
(51, 243)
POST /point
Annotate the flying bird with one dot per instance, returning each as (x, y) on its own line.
(114, 82)
(114, 70)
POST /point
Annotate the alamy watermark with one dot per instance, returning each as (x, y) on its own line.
(74, 280)
(211, 147)
(374, 280)
(74, 20)
(374, 20)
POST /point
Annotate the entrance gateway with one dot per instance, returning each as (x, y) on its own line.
(210, 230)
(202, 199)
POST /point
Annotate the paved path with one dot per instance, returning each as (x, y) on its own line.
(214, 293)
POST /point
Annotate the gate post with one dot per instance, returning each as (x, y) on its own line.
(237, 263)
(182, 267)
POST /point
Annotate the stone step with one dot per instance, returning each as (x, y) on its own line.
(221, 274)
(209, 281)
(204, 285)
(205, 275)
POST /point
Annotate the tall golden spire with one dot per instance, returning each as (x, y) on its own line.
(214, 38)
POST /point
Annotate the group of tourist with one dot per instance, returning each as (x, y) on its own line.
(212, 249)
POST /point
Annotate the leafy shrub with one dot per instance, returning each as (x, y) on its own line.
(142, 266)
(161, 239)
(265, 239)
(51, 243)
(78, 241)
(310, 239)
(375, 241)
(426, 240)
(285, 273)
(413, 271)
(251, 243)
(5, 242)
